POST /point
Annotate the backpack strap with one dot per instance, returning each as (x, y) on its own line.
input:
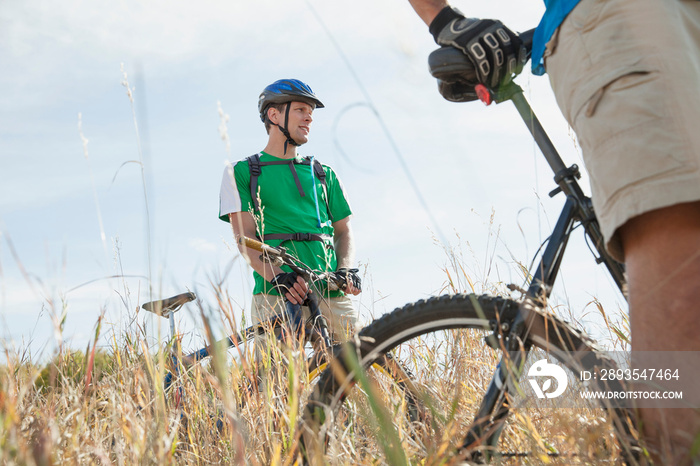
(299, 237)
(321, 175)
(296, 177)
(255, 167)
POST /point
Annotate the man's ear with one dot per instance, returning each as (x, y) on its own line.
(272, 114)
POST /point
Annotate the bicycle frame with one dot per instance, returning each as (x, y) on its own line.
(290, 322)
(292, 316)
(578, 209)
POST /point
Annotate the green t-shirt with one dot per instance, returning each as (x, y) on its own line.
(284, 210)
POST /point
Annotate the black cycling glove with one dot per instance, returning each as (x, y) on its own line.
(495, 51)
(284, 281)
(345, 276)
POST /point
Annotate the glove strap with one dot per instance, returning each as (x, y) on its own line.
(283, 283)
(442, 19)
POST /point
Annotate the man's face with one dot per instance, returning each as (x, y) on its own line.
(299, 123)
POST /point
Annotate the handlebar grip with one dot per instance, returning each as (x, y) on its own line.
(259, 246)
(274, 255)
(251, 243)
(333, 282)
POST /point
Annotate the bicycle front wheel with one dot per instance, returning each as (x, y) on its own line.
(451, 370)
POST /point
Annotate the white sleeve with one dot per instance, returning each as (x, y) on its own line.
(229, 198)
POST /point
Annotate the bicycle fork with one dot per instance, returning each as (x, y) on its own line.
(490, 418)
(319, 324)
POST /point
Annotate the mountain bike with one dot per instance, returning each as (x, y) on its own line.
(504, 335)
(288, 330)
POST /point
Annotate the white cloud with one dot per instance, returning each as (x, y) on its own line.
(202, 245)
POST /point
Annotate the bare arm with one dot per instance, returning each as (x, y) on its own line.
(345, 248)
(344, 243)
(243, 224)
(428, 9)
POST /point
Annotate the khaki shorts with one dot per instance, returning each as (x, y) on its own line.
(626, 75)
(339, 312)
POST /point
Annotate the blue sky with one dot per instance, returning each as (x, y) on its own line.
(195, 73)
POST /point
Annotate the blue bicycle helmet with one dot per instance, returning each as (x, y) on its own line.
(286, 90)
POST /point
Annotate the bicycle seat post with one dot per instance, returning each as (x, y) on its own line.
(173, 334)
(537, 131)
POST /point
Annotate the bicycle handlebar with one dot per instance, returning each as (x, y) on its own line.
(280, 255)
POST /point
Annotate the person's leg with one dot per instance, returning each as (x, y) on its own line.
(662, 253)
(635, 107)
(263, 308)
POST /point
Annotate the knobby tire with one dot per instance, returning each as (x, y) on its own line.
(557, 338)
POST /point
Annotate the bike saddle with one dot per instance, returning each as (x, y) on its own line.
(165, 307)
(450, 65)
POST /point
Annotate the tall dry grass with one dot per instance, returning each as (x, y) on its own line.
(109, 406)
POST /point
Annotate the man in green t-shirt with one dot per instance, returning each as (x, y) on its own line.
(283, 199)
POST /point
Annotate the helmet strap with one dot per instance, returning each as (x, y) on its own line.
(285, 131)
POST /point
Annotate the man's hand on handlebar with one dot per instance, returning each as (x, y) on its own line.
(291, 286)
(349, 280)
(496, 53)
